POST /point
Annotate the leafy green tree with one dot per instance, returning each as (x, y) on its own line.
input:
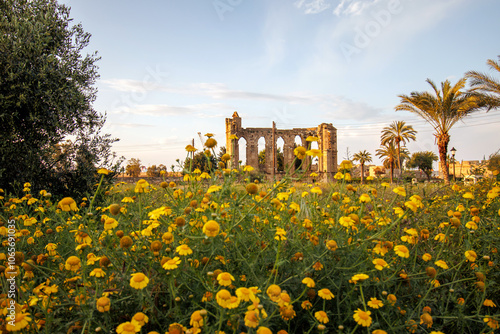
(442, 108)
(493, 163)
(280, 159)
(200, 161)
(363, 157)
(486, 84)
(133, 167)
(46, 95)
(423, 161)
(398, 133)
(262, 157)
(153, 171)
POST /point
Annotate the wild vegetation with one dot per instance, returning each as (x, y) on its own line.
(211, 255)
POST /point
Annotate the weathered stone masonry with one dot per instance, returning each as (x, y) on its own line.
(327, 144)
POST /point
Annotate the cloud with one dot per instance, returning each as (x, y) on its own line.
(130, 85)
(312, 6)
(213, 90)
(344, 8)
(353, 7)
(332, 105)
(130, 125)
(153, 110)
(203, 110)
(341, 108)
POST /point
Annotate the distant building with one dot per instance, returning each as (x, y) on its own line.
(470, 167)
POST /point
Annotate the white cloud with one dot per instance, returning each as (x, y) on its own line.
(203, 110)
(338, 107)
(353, 7)
(153, 110)
(212, 90)
(312, 6)
(341, 108)
(130, 85)
(130, 125)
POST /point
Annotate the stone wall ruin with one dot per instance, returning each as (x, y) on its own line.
(327, 144)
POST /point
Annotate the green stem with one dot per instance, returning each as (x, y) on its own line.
(362, 295)
(96, 193)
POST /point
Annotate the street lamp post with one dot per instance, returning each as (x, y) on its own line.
(453, 151)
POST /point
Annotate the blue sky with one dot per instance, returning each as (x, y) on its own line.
(171, 69)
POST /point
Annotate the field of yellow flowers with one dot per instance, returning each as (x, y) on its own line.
(220, 254)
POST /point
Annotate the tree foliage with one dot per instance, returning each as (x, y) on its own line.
(133, 167)
(389, 155)
(423, 161)
(487, 85)
(46, 95)
(442, 108)
(363, 157)
(155, 171)
(280, 159)
(399, 134)
(494, 162)
(201, 161)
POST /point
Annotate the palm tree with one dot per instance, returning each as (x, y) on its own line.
(442, 109)
(362, 157)
(486, 85)
(389, 155)
(398, 132)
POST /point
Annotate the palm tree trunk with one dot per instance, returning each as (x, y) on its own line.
(442, 142)
(399, 157)
(392, 171)
(362, 173)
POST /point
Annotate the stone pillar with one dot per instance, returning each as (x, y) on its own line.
(288, 152)
(329, 140)
(332, 148)
(252, 152)
(324, 146)
(269, 154)
(235, 156)
(233, 128)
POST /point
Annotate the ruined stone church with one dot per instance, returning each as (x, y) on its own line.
(327, 162)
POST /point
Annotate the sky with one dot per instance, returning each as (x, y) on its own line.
(170, 69)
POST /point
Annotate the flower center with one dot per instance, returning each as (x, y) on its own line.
(139, 278)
